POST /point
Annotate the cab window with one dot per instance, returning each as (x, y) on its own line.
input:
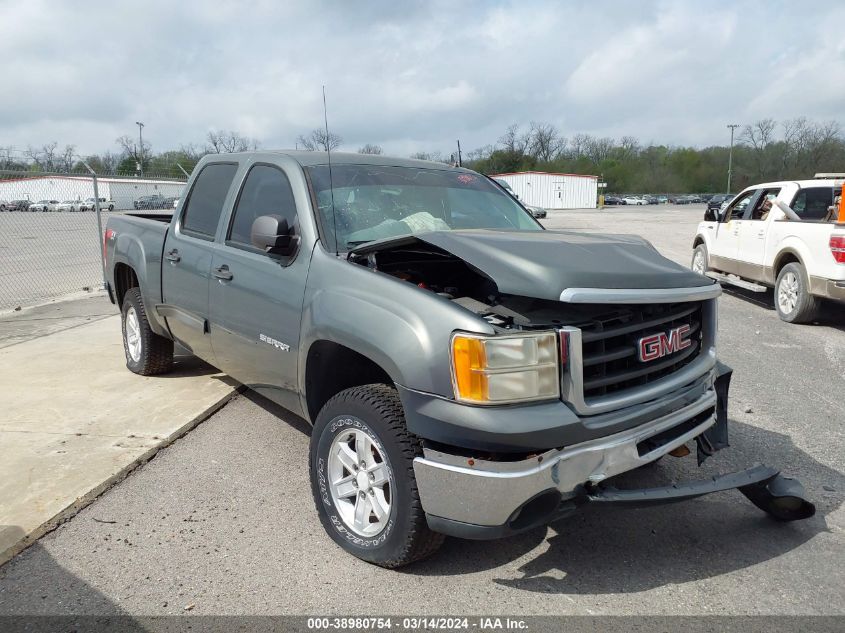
(813, 203)
(737, 209)
(763, 205)
(202, 209)
(266, 191)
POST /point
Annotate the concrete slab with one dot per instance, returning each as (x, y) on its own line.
(74, 420)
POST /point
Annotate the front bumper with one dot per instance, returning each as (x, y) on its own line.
(475, 498)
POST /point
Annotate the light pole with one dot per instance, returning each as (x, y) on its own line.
(732, 126)
(141, 147)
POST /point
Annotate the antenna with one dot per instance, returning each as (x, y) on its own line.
(331, 180)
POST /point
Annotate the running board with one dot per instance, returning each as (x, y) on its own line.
(736, 281)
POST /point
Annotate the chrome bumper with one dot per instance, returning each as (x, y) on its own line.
(488, 493)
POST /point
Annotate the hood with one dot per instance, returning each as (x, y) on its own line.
(542, 264)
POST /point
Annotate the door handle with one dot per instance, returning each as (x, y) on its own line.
(223, 273)
(172, 256)
(761, 234)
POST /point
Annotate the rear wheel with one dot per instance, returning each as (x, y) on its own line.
(362, 478)
(793, 300)
(147, 353)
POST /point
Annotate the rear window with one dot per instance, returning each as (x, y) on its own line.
(812, 204)
(205, 201)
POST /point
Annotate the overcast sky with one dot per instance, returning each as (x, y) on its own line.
(412, 76)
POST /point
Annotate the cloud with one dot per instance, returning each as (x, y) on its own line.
(411, 75)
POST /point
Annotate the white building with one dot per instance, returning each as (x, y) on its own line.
(553, 191)
(124, 191)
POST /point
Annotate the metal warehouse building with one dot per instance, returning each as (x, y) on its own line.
(553, 191)
(123, 191)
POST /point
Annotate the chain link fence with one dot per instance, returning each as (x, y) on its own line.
(51, 232)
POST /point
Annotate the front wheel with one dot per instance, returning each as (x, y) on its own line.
(793, 300)
(362, 478)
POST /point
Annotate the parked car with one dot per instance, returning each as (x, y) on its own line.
(613, 201)
(694, 199)
(675, 199)
(715, 203)
(504, 184)
(633, 200)
(528, 335)
(781, 235)
(662, 200)
(650, 199)
(44, 205)
(105, 204)
(152, 202)
(16, 205)
(537, 212)
(171, 201)
(69, 205)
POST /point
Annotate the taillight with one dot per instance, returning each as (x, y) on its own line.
(837, 248)
(109, 235)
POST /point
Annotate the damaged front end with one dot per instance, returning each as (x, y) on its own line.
(488, 472)
(508, 497)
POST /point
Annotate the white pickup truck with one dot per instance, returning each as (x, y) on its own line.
(783, 235)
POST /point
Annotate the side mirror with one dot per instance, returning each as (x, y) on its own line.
(272, 235)
(711, 215)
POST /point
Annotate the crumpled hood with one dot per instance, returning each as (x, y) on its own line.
(542, 264)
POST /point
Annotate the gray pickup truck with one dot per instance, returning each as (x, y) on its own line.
(466, 372)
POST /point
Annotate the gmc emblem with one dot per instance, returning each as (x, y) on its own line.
(656, 346)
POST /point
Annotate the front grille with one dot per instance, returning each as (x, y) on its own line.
(610, 341)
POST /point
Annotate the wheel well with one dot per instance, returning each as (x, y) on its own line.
(331, 368)
(124, 279)
(698, 240)
(787, 257)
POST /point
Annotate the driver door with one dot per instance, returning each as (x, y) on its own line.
(724, 249)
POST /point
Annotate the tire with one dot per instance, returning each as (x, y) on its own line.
(111, 207)
(147, 353)
(793, 300)
(700, 262)
(368, 421)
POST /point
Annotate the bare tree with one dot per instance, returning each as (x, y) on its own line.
(515, 142)
(629, 147)
(435, 156)
(479, 153)
(318, 140)
(65, 159)
(369, 148)
(226, 142)
(598, 149)
(545, 142)
(192, 151)
(578, 145)
(131, 150)
(45, 157)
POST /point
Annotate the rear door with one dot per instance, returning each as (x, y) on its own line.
(255, 297)
(188, 251)
(724, 248)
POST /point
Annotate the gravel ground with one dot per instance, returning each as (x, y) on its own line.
(222, 521)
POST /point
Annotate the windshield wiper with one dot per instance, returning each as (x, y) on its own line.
(358, 243)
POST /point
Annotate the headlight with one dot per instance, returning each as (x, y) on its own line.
(503, 369)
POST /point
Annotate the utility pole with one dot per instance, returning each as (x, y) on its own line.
(732, 127)
(141, 148)
(460, 158)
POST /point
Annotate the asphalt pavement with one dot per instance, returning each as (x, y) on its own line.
(222, 521)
